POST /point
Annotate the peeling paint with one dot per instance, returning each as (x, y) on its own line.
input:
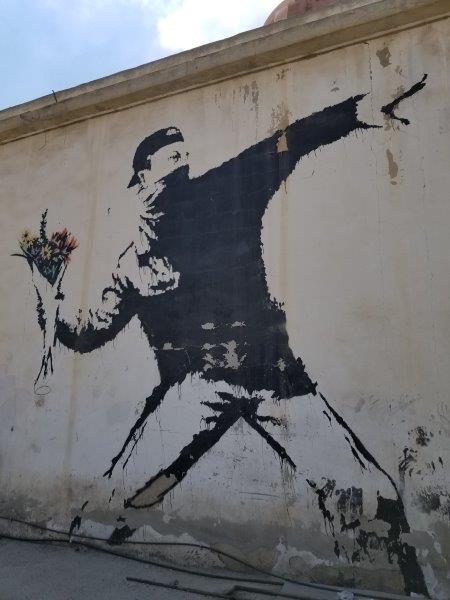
(392, 166)
(384, 56)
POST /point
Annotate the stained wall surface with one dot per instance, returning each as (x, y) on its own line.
(328, 242)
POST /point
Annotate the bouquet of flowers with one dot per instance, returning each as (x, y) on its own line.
(48, 258)
(48, 255)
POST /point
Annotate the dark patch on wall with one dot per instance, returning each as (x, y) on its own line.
(120, 535)
(430, 500)
(75, 524)
(389, 511)
(407, 462)
(392, 512)
(350, 501)
(384, 56)
(422, 436)
(367, 541)
(322, 494)
(434, 499)
(351, 525)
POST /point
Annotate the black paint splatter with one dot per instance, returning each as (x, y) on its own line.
(352, 525)
(422, 436)
(322, 494)
(392, 512)
(75, 524)
(358, 445)
(350, 501)
(434, 499)
(430, 500)
(120, 535)
(408, 459)
(327, 416)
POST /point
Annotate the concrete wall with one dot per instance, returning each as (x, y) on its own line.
(350, 482)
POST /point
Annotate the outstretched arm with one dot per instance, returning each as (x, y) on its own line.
(259, 170)
(262, 168)
(330, 125)
(319, 129)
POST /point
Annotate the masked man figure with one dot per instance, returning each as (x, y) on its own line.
(195, 279)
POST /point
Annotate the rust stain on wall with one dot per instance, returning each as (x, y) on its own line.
(392, 166)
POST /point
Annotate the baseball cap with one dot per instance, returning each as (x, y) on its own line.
(150, 145)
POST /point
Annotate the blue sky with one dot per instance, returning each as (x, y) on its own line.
(54, 44)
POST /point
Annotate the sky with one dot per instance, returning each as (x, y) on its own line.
(50, 45)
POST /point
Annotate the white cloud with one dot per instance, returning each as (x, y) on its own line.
(178, 24)
(190, 23)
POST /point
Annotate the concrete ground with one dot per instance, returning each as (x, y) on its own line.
(61, 572)
(31, 571)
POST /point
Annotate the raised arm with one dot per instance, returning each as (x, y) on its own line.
(260, 170)
(319, 129)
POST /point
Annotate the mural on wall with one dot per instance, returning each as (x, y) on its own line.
(48, 259)
(203, 301)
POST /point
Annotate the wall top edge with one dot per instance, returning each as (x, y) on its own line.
(339, 25)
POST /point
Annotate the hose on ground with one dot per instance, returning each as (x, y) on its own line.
(81, 537)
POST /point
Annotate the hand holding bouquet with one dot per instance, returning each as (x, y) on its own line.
(48, 258)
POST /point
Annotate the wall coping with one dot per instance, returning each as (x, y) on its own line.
(336, 26)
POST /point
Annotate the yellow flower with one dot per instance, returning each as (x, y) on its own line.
(26, 235)
(27, 238)
(46, 252)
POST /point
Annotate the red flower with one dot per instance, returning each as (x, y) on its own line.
(65, 243)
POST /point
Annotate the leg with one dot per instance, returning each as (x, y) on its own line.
(160, 484)
(278, 448)
(151, 404)
(230, 410)
(357, 536)
(248, 408)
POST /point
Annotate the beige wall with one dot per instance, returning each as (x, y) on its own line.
(356, 246)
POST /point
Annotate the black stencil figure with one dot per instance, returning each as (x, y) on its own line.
(202, 298)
